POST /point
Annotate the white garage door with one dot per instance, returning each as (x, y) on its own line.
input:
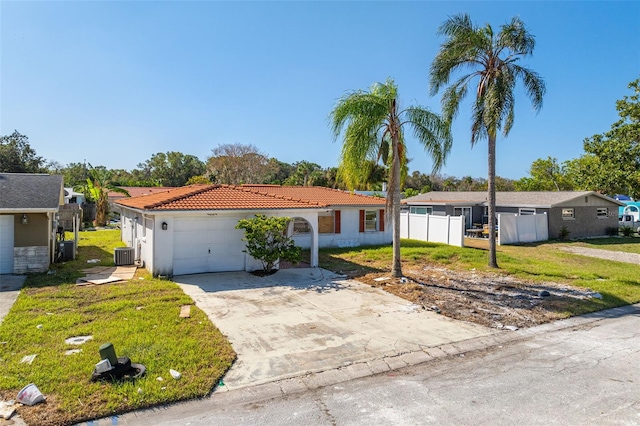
(208, 244)
(6, 244)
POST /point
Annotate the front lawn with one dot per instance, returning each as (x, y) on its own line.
(140, 317)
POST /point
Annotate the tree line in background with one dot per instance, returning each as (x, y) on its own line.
(610, 165)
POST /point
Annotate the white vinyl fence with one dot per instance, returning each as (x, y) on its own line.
(436, 229)
(513, 228)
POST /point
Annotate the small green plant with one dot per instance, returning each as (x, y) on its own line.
(626, 231)
(267, 240)
(564, 233)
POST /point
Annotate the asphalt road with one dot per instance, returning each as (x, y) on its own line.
(583, 375)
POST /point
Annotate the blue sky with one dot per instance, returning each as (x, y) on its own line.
(113, 83)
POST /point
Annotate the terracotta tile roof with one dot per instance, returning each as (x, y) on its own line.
(136, 191)
(326, 196)
(216, 197)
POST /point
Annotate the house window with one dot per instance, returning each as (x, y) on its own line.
(527, 212)
(301, 226)
(463, 211)
(568, 214)
(602, 212)
(371, 220)
(326, 223)
(420, 210)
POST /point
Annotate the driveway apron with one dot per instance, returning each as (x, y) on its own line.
(300, 321)
(10, 286)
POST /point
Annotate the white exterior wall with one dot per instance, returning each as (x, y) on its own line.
(162, 261)
(350, 235)
(155, 246)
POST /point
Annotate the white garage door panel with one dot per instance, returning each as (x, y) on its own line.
(194, 265)
(207, 245)
(6, 244)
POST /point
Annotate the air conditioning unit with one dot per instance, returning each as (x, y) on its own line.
(124, 256)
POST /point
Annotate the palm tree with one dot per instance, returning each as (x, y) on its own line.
(373, 126)
(97, 188)
(493, 59)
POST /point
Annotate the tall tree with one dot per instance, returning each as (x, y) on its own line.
(277, 171)
(493, 59)
(97, 188)
(173, 168)
(419, 182)
(545, 175)
(236, 164)
(17, 156)
(305, 174)
(373, 123)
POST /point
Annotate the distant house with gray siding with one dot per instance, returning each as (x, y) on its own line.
(583, 213)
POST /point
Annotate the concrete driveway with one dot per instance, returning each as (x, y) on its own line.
(301, 321)
(10, 286)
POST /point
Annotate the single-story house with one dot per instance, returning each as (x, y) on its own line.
(582, 213)
(192, 229)
(29, 206)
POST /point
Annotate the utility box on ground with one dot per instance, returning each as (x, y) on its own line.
(68, 250)
(124, 256)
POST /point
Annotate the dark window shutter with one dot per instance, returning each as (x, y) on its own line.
(361, 220)
(336, 225)
(381, 227)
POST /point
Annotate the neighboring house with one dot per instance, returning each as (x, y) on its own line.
(73, 197)
(192, 229)
(29, 205)
(583, 213)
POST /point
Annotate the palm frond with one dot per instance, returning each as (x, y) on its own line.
(533, 84)
(432, 132)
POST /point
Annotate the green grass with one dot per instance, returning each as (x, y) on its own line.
(618, 282)
(139, 317)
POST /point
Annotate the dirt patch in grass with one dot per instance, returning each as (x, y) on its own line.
(536, 283)
(491, 300)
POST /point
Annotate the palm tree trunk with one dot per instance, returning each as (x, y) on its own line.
(396, 269)
(493, 262)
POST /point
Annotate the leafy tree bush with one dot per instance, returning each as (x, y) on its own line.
(17, 156)
(267, 240)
